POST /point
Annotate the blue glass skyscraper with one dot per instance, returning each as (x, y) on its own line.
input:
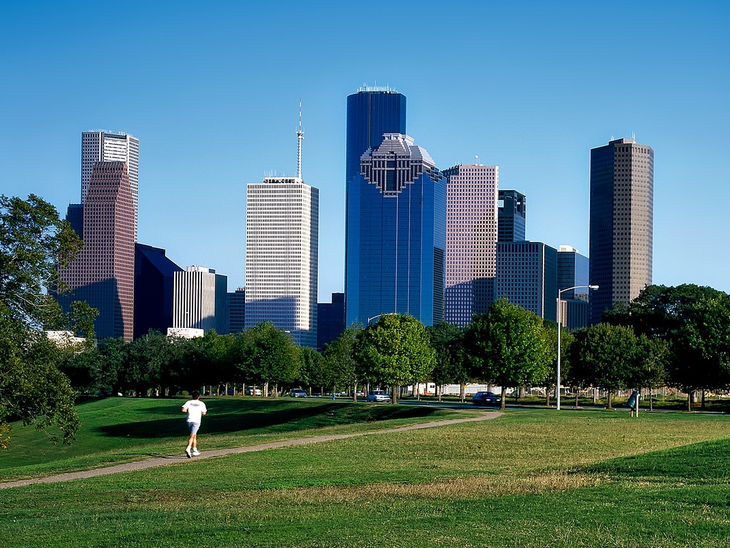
(371, 112)
(396, 234)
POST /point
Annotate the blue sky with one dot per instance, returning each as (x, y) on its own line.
(211, 90)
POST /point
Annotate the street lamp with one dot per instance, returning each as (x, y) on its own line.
(383, 314)
(560, 322)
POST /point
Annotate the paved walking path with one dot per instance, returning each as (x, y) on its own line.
(161, 461)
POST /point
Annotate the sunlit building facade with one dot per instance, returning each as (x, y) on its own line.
(471, 241)
(282, 235)
(621, 223)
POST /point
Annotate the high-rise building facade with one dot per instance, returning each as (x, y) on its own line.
(200, 300)
(527, 275)
(512, 213)
(573, 272)
(154, 275)
(396, 234)
(621, 223)
(371, 112)
(282, 238)
(471, 240)
(237, 310)
(330, 320)
(100, 146)
(103, 272)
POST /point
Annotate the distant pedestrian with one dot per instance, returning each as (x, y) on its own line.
(195, 410)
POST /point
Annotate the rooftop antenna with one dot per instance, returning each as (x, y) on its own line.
(300, 137)
(476, 157)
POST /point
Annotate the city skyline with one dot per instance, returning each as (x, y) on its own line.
(533, 99)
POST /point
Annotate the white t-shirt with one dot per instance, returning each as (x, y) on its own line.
(195, 409)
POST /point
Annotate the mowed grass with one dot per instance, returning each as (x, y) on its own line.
(528, 478)
(118, 430)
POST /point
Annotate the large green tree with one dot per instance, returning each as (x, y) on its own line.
(508, 347)
(447, 340)
(340, 360)
(679, 315)
(605, 356)
(266, 355)
(33, 243)
(395, 351)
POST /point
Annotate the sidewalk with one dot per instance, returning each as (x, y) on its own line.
(161, 461)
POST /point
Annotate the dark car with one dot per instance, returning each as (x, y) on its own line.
(485, 398)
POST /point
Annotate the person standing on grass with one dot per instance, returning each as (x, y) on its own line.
(195, 410)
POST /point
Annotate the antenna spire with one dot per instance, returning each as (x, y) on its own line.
(300, 137)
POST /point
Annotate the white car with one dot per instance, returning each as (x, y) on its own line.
(378, 396)
(251, 391)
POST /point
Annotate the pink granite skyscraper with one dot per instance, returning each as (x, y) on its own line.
(471, 240)
(103, 272)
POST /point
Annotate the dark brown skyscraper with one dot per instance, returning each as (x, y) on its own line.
(622, 223)
(103, 273)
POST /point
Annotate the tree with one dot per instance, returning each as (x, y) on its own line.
(33, 242)
(507, 346)
(395, 351)
(266, 354)
(702, 349)
(341, 360)
(605, 356)
(446, 339)
(669, 313)
(651, 368)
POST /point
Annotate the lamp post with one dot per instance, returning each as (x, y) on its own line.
(383, 314)
(560, 323)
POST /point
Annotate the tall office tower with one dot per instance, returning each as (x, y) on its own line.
(237, 310)
(512, 210)
(103, 272)
(396, 234)
(621, 224)
(100, 146)
(200, 300)
(572, 272)
(282, 235)
(330, 320)
(154, 275)
(371, 112)
(471, 240)
(527, 274)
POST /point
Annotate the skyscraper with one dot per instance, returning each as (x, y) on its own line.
(621, 223)
(371, 112)
(471, 240)
(154, 275)
(100, 146)
(237, 310)
(103, 272)
(512, 212)
(282, 233)
(527, 275)
(396, 234)
(200, 299)
(572, 272)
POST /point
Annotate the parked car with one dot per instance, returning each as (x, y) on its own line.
(298, 393)
(252, 391)
(485, 398)
(378, 396)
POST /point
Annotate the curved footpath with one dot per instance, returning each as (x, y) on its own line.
(161, 461)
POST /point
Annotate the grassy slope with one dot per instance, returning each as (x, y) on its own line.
(115, 430)
(530, 478)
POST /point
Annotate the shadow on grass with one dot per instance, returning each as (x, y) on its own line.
(706, 462)
(227, 416)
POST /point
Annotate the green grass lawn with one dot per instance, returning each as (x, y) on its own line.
(529, 478)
